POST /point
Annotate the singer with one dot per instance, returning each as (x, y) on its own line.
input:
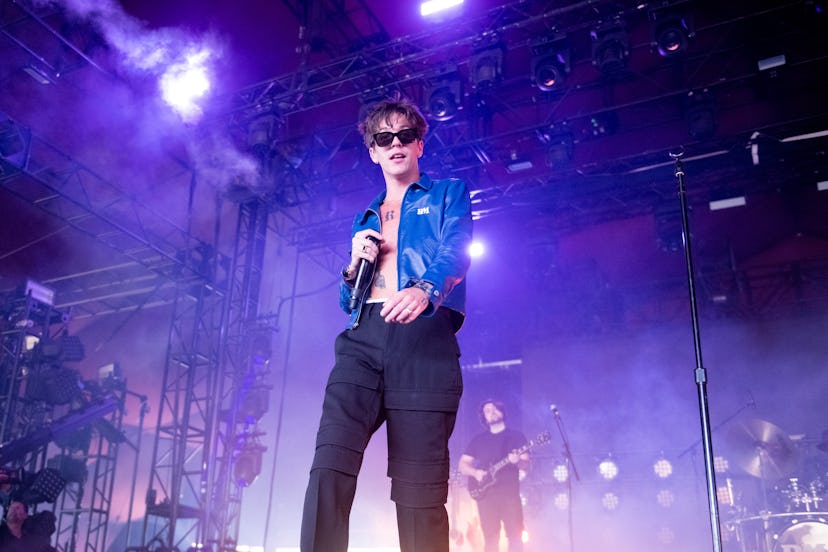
(397, 361)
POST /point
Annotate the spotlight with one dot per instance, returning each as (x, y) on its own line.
(443, 95)
(608, 469)
(54, 384)
(550, 63)
(37, 291)
(185, 82)
(671, 29)
(66, 347)
(518, 162)
(610, 501)
(476, 249)
(720, 464)
(486, 66)
(432, 7)
(560, 146)
(248, 464)
(46, 486)
(610, 47)
(663, 468)
(665, 498)
(561, 473)
(561, 501)
(255, 403)
(725, 494)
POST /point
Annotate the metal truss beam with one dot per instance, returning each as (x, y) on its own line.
(49, 179)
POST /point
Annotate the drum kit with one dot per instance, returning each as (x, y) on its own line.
(781, 505)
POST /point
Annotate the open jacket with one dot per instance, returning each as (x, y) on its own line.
(432, 245)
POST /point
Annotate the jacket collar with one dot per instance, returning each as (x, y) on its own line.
(423, 182)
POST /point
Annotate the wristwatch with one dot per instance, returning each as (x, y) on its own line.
(425, 286)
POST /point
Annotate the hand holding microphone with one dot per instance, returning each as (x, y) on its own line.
(364, 252)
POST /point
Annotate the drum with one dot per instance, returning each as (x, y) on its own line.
(803, 536)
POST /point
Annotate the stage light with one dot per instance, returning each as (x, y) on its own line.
(67, 348)
(725, 494)
(561, 473)
(771, 63)
(728, 203)
(727, 197)
(486, 66)
(476, 249)
(54, 384)
(255, 403)
(443, 95)
(518, 163)
(550, 63)
(46, 486)
(671, 29)
(665, 498)
(561, 501)
(437, 6)
(38, 291)
(185, 82)
(610, 47)
(559, 146)
(610, 501)
(608, 469)
(663, 468)
(248, 463)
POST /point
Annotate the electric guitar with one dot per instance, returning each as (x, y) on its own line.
(477, 489)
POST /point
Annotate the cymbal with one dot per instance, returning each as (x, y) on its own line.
(762, 449)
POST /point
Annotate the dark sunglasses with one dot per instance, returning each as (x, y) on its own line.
(406, 136)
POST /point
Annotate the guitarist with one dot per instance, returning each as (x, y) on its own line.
(492, 464)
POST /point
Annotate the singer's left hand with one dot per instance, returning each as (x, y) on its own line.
(405, 305)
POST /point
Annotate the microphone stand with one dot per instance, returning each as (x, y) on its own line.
(718, 426)
(699, 373)
(569, 462)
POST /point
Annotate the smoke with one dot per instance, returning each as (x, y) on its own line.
(172, 57)
(141, 48)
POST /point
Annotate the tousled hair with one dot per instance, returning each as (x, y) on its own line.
(382, 112)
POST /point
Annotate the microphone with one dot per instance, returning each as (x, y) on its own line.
(361, 277)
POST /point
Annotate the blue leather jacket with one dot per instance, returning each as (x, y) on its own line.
(432, 244)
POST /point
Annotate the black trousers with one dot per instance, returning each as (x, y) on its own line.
(496, 508)
(408, 377)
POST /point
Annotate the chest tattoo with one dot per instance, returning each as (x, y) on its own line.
(379, 280)
(389, 215)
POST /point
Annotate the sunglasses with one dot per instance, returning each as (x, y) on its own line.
(406, 136)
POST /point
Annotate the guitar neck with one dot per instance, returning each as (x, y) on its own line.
(497, 466)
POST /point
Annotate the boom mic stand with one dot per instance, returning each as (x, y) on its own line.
(699, 373)
(570, 463)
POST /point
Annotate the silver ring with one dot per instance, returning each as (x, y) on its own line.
(409, 311)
